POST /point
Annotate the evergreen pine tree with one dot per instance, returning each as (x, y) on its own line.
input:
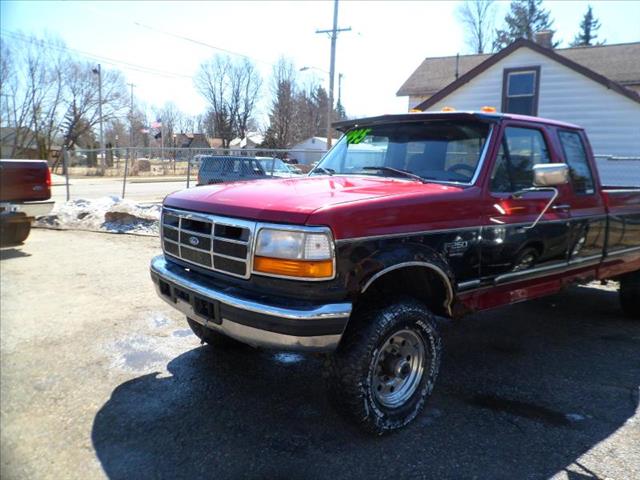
(588, 31)
(524, 19)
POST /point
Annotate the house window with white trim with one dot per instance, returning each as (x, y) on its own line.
(520, 90)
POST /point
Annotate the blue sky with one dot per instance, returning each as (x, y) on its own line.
(388, 40)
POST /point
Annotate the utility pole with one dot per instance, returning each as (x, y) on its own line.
(333, 35)
(131, 117)
(340, 75)
(126, 160)
(98, 71)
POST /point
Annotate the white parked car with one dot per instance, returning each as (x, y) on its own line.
(277, 168)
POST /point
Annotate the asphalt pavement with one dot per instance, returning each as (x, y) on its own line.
(101, 379)
(138, 189)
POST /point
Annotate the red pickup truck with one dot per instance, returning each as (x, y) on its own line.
(25, 188)
(407, 219)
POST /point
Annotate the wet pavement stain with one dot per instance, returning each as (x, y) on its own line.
(139, 359)
(507, 349)
(620, 338)
(185, 332)
(521, 409)
(287, 357)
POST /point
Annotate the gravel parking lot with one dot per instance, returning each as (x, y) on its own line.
(101, 379)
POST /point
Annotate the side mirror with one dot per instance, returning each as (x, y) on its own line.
(550, 174)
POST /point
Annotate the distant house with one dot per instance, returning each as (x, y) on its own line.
(310, 150)
(251, 140)
(191, 140)
(215, 142)
(595, 87)
(21, 143)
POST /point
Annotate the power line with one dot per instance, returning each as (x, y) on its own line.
(213, 47)
(111, 61)
(203, 44)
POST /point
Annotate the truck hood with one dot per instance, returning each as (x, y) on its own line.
(293, 200)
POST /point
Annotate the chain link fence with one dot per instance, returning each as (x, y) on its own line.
(151, 173)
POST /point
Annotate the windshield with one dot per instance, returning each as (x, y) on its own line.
(441, 151)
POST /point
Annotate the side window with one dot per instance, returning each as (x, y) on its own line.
(576, 158)
(521, 149)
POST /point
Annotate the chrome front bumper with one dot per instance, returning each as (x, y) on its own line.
(315, 328)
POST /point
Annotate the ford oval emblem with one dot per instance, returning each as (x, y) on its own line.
(195, 241)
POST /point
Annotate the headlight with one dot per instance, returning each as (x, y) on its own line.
(294, 254)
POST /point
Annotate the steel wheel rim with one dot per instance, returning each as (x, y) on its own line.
(526, 262)
(398, 368)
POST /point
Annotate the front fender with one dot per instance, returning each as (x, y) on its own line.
(365, 261)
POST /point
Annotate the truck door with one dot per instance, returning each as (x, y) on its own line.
(588, 214)
(512, 248)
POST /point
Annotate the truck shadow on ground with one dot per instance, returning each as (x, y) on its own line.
(523, 393)
(9, 253)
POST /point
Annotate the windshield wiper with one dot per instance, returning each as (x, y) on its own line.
(328, 171)
(404, 173)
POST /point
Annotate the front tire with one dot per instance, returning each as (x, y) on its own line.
(630, 295)
(210, 337)
(386, 366)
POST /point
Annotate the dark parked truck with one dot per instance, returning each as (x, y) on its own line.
(408, 219)
(25, 188)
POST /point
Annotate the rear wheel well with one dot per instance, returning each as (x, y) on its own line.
(420, 282)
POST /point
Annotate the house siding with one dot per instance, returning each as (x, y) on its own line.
(611, 120)
(415, 100)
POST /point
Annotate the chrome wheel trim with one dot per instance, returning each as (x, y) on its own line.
(398, 368)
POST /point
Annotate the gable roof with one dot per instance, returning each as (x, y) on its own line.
(616, 62)
(489, 60)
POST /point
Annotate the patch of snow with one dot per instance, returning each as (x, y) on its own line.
(106, 214)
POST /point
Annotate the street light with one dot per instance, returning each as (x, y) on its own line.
(307, 68)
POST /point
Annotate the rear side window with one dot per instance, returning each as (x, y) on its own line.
(520, 150)
(576, 157)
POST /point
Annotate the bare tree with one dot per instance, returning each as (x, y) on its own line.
(45, 82)
(171, 117)
(31, 88)
(81, 91)
(232, 89)
(477, 16)
(15, 105)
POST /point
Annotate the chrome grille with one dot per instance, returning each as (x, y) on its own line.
(218, 243)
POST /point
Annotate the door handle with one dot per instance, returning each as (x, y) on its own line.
(561, 207)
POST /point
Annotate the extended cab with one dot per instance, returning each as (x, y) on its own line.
(25, 188)
(408, 218)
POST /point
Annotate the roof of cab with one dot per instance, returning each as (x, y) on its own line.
(490, 117)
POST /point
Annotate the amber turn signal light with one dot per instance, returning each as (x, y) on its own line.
(294, 268)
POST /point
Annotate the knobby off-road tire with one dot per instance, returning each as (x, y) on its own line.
(357, 370)
(630, 295)
(215, 339)
(14, 231)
